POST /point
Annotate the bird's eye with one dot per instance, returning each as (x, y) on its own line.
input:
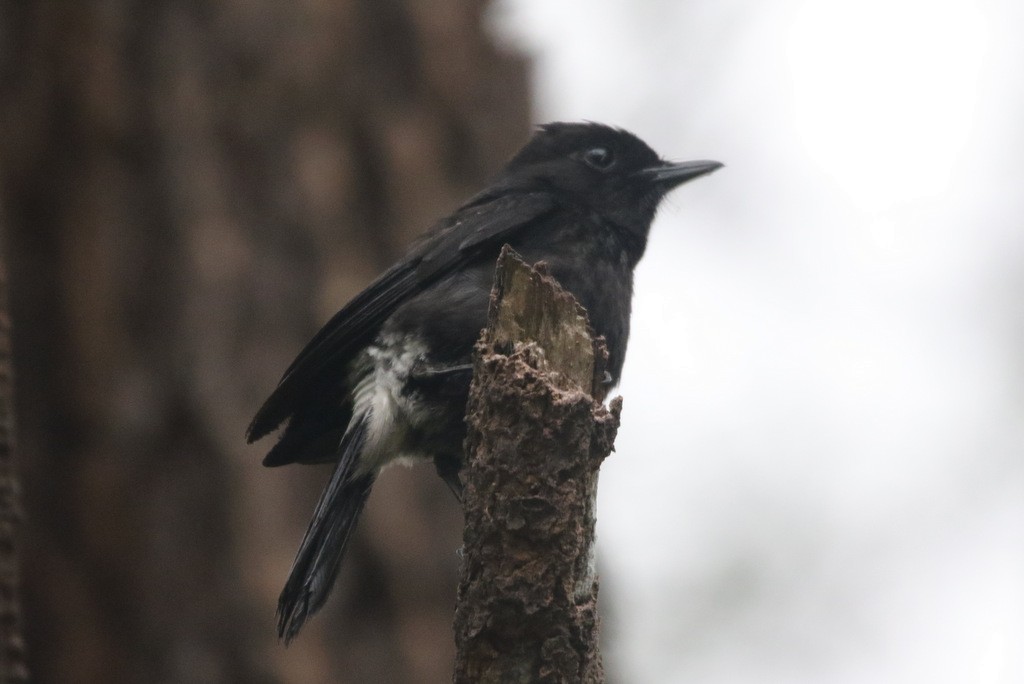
(599, 157)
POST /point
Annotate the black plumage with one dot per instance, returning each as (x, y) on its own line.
(389, 374)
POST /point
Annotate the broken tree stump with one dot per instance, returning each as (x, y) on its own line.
(537, 434)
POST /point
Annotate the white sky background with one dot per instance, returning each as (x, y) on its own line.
(820, 472)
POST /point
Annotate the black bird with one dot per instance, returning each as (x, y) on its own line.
(388, 375)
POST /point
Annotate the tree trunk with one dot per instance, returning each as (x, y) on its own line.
(191, 189)
(13, 668)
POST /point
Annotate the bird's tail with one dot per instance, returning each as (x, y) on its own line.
(319, 557)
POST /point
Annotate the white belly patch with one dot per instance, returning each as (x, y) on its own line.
(379, 375)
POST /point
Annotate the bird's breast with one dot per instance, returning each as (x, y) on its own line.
(587, 259)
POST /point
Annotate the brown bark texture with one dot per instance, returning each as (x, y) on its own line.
(189, 190)
(538, 432)
(13, 667)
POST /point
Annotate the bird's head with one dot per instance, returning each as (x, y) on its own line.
(603, 169)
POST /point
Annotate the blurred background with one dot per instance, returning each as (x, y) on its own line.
(819, 476)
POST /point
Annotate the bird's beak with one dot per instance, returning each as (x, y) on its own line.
(668, 175)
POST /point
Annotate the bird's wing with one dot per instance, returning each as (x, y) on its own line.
(479, 227)
(475, 229)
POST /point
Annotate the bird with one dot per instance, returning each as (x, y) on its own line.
(387, 377)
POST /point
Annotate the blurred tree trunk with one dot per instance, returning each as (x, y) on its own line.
(190, 189)
(12, 644)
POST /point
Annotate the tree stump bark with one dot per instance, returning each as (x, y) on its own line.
(538, 432)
